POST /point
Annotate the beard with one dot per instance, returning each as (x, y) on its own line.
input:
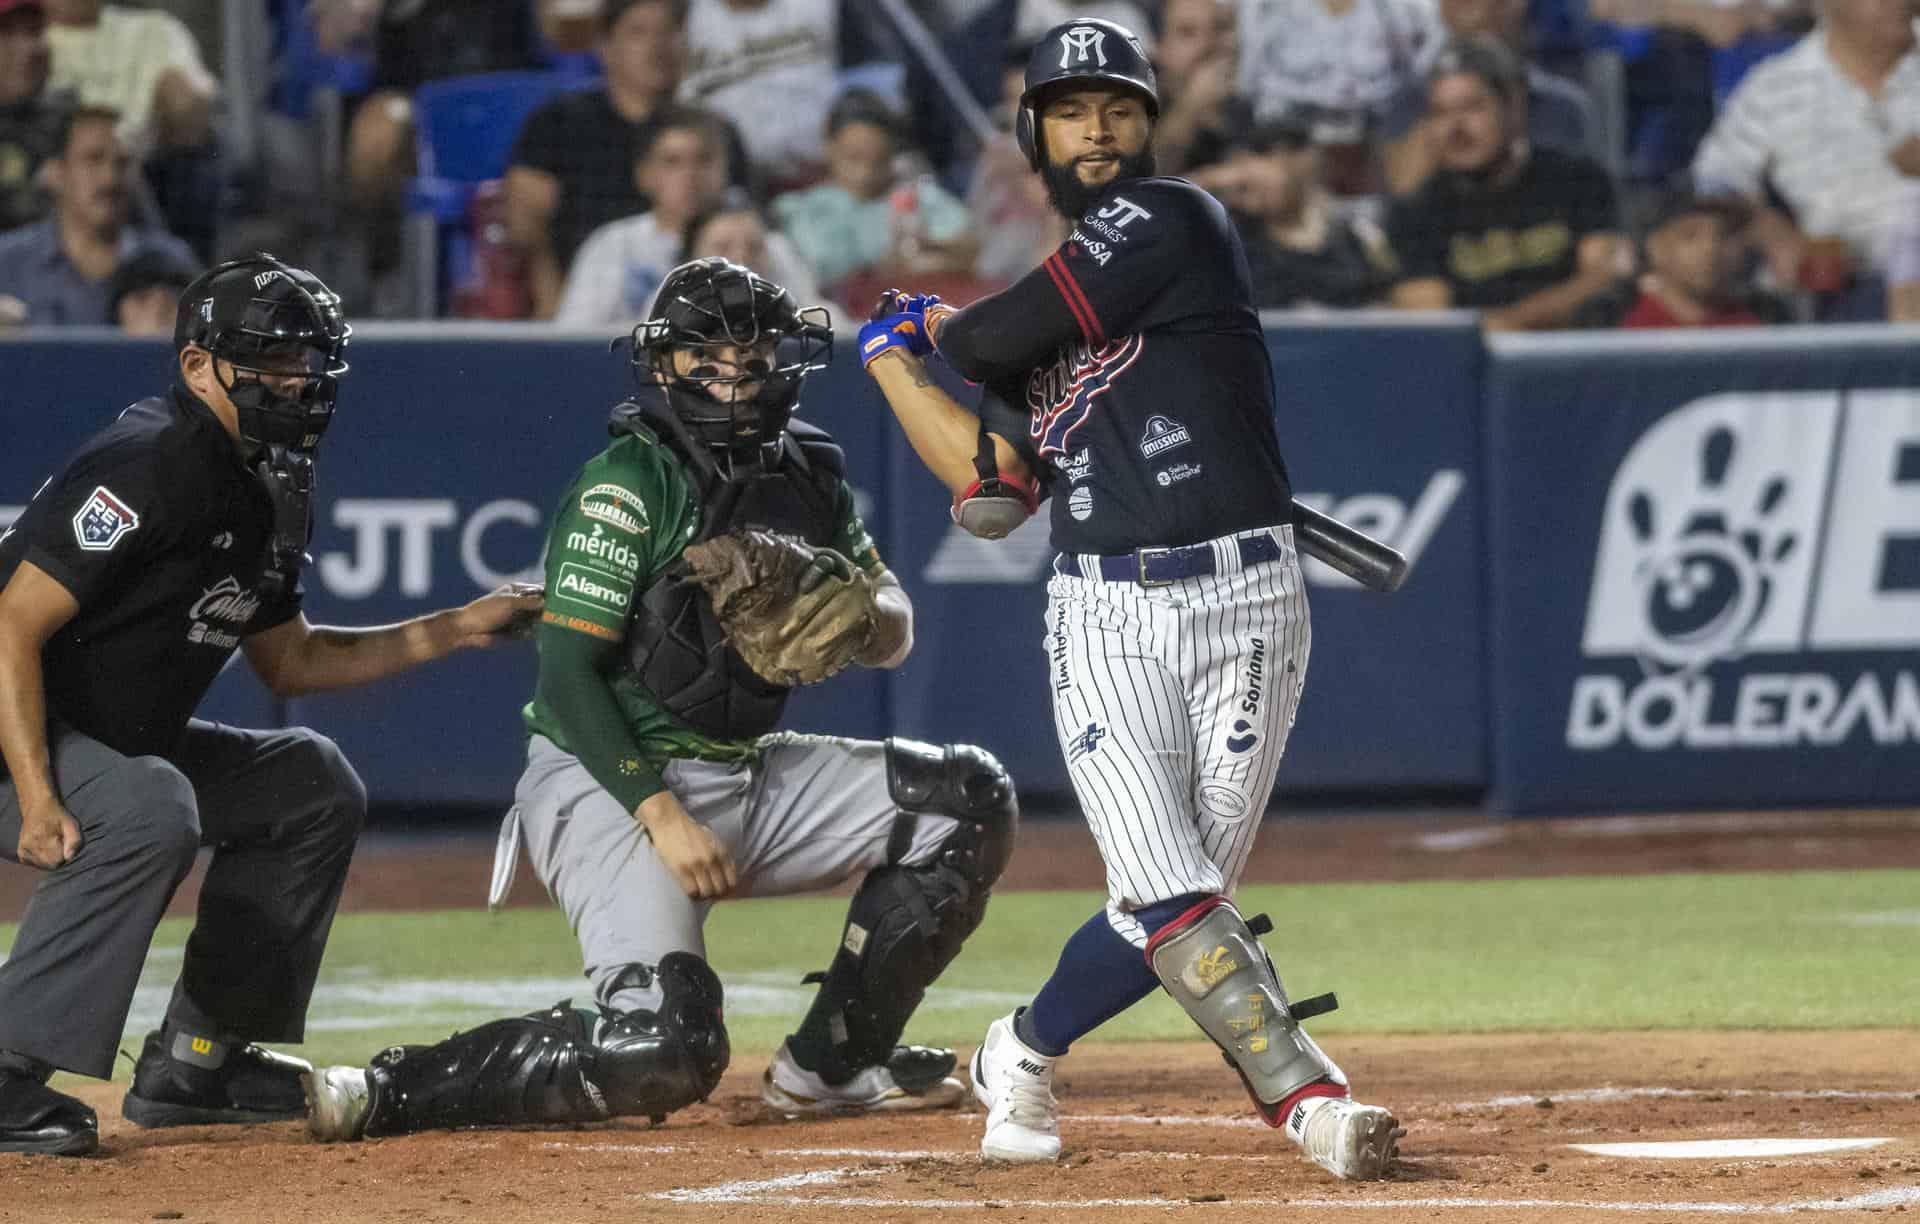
(1071, 198)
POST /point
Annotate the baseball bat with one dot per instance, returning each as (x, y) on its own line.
(1348, 549)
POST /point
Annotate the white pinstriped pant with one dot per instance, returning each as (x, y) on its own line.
(1173, 705)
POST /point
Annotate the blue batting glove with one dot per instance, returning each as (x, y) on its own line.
(899, 301)
(906, 332)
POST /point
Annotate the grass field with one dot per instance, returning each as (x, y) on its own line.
(1811, 950)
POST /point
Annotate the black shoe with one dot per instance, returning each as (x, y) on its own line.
(35, 1118)
(253, 1085)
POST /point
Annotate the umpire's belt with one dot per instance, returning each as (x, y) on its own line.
(1154, 567)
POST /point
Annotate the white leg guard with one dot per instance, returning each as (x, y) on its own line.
(1215, 968)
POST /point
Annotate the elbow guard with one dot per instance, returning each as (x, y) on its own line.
(995, 503)
(993, 507)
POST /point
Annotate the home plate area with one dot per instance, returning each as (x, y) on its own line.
(1799, 1123)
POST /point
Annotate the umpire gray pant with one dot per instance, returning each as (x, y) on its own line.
(281, 810)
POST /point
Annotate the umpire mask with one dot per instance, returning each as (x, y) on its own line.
(281, 331)
(717, 330)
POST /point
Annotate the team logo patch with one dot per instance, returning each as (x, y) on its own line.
(226, 600)
(1223, 802)
(582, 586)
(103, 521)
(1060, 396)
(1080, 503)
(1083, 45)
(1174, 475)
(1162, 435)
(616, 507)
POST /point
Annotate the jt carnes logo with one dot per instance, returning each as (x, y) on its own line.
(1060, 396)
(1742, 526)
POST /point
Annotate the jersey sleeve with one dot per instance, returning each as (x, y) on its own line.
(850, 536)
(94, 521)
(1418, 246)
(1121, 256)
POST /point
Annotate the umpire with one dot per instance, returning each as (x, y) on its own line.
(173, 537)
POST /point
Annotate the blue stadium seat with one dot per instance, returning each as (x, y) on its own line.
(464, 129)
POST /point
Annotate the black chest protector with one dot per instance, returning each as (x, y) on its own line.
(674, 643)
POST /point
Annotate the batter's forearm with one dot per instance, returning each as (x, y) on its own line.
(23, 720)
(944, 434)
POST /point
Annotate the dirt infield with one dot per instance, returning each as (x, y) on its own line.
(1152, 1133)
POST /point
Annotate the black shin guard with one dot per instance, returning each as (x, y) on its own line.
(562, 1065)
(907, 923)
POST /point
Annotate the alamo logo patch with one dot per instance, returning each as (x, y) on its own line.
(103, 521)
(616, 507)
(583, 586)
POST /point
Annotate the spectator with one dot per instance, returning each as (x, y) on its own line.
(1527, 234)
(771, 67)
(682, 169)
(1006, 200)
(143, 294)
(57, 271)
(1195, 65)
(142, 64)
(1833, 127)
(1300, 252)
(1559, 116)
(859, 218)
(416, 41)
(736, 230)
(1698, 254)
(29, 116)
(572, 167)
(1032, 18)
(1339, 60)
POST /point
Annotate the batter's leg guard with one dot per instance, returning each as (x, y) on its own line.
(907, 923)
(561, 1065)
(1214, 966)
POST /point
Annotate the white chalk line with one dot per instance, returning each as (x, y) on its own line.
(945, 1156)
(1609, 1094)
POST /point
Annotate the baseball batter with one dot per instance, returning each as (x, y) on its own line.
(675, 625)
(1127, 380)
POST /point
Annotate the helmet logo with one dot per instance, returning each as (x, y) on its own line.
(263, 279)
(1083, 45)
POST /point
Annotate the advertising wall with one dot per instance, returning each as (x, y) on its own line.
(1705, 584)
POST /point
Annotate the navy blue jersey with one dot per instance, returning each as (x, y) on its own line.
(1130, 372)
(161, 535)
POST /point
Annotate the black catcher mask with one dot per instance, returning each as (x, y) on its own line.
(739, 329)
(269, 320)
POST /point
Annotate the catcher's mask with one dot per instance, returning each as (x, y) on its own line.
(269, 321)
(739, 328)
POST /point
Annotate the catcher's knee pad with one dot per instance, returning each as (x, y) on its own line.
(560, 1065)
(962, 782)
(1214, 966)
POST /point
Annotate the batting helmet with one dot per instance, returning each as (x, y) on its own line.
(1092, 50)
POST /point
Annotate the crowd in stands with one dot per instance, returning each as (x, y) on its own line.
(1547, 163)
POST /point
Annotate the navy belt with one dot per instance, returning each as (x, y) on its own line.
(1161, 566)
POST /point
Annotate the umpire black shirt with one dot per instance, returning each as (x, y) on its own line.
(1130, 372)
(160, 534)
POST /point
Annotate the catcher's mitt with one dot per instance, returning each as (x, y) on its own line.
(797, 614)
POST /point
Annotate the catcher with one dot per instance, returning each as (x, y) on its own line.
(698, 568)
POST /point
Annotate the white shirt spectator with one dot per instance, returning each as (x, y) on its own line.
(1035, 17)
(1800, 123)
(619, 268)
(117, 63)
(772, 71)
(1296, 53)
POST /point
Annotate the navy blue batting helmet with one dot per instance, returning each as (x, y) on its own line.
(1091, 50)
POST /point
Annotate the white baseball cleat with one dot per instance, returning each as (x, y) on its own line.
(1352, 1141)
(338, 1101)
(914, 1078)
(1016, 1086)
